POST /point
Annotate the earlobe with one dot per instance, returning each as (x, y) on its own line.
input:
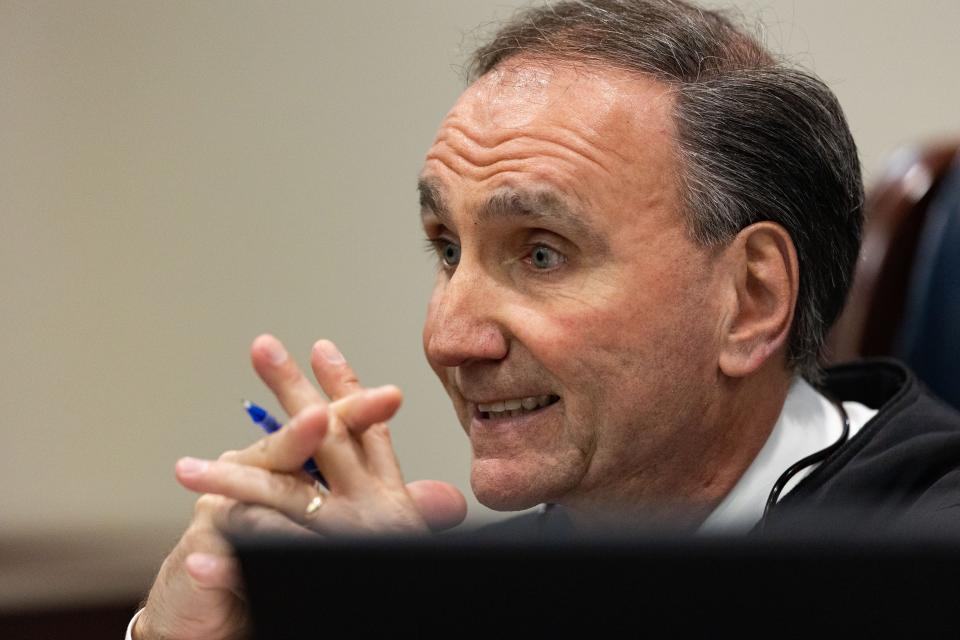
(764, 283)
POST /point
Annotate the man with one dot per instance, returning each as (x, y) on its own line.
(644, 225)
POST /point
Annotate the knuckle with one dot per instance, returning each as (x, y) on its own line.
(380, 430)
(349, 426)
(291, 375)
(337, 430)
(229, 455)
(246, 517)
(208, 504)
(264, 444)
(197, 536)
(189, 538)
(277, 484)
(312, 406)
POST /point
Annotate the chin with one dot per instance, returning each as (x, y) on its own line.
(502, 486)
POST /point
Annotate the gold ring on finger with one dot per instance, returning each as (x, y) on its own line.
(313, 508)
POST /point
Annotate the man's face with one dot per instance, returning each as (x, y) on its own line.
(568, 284)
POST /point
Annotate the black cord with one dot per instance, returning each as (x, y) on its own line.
(778, 486)
(802, 464)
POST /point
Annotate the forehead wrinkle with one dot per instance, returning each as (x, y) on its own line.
(562, 170)
(558, 181)
(483, 153)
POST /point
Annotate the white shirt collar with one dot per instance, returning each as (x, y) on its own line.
(808, 423)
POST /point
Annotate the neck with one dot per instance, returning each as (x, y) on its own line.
(697, 476)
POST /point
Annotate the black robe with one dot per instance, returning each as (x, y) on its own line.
(900, 471)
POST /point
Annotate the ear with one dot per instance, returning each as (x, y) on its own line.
(764, 278)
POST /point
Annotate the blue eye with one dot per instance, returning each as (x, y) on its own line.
(545, 258)
(449, 253)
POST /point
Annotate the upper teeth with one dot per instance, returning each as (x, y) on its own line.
(529, 403)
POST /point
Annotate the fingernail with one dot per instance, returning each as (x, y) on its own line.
(330, 352)
(276, 353)
(192, 466)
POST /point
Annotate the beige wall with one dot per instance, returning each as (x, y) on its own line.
(177, 177)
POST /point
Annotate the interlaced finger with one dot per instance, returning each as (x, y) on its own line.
(282, 375)
(346, 461)
(228, 515)
(249, 485)
(335, 375)
(288, 448)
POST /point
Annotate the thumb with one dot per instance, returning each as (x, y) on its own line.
(440, 503)
(214, 572)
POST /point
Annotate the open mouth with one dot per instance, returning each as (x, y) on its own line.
(514, 407)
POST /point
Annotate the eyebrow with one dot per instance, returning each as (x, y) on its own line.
(431, 199)
(537, 204)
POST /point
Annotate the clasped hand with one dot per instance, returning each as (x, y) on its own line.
(263, 488)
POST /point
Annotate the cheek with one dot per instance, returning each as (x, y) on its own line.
(591, 351)
(574, 334)
(622, 349)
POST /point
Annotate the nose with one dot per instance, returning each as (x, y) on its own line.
(463, 320)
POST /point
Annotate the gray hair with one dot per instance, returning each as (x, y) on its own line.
(758, 140)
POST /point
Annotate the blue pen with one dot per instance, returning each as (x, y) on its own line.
(269, 424)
